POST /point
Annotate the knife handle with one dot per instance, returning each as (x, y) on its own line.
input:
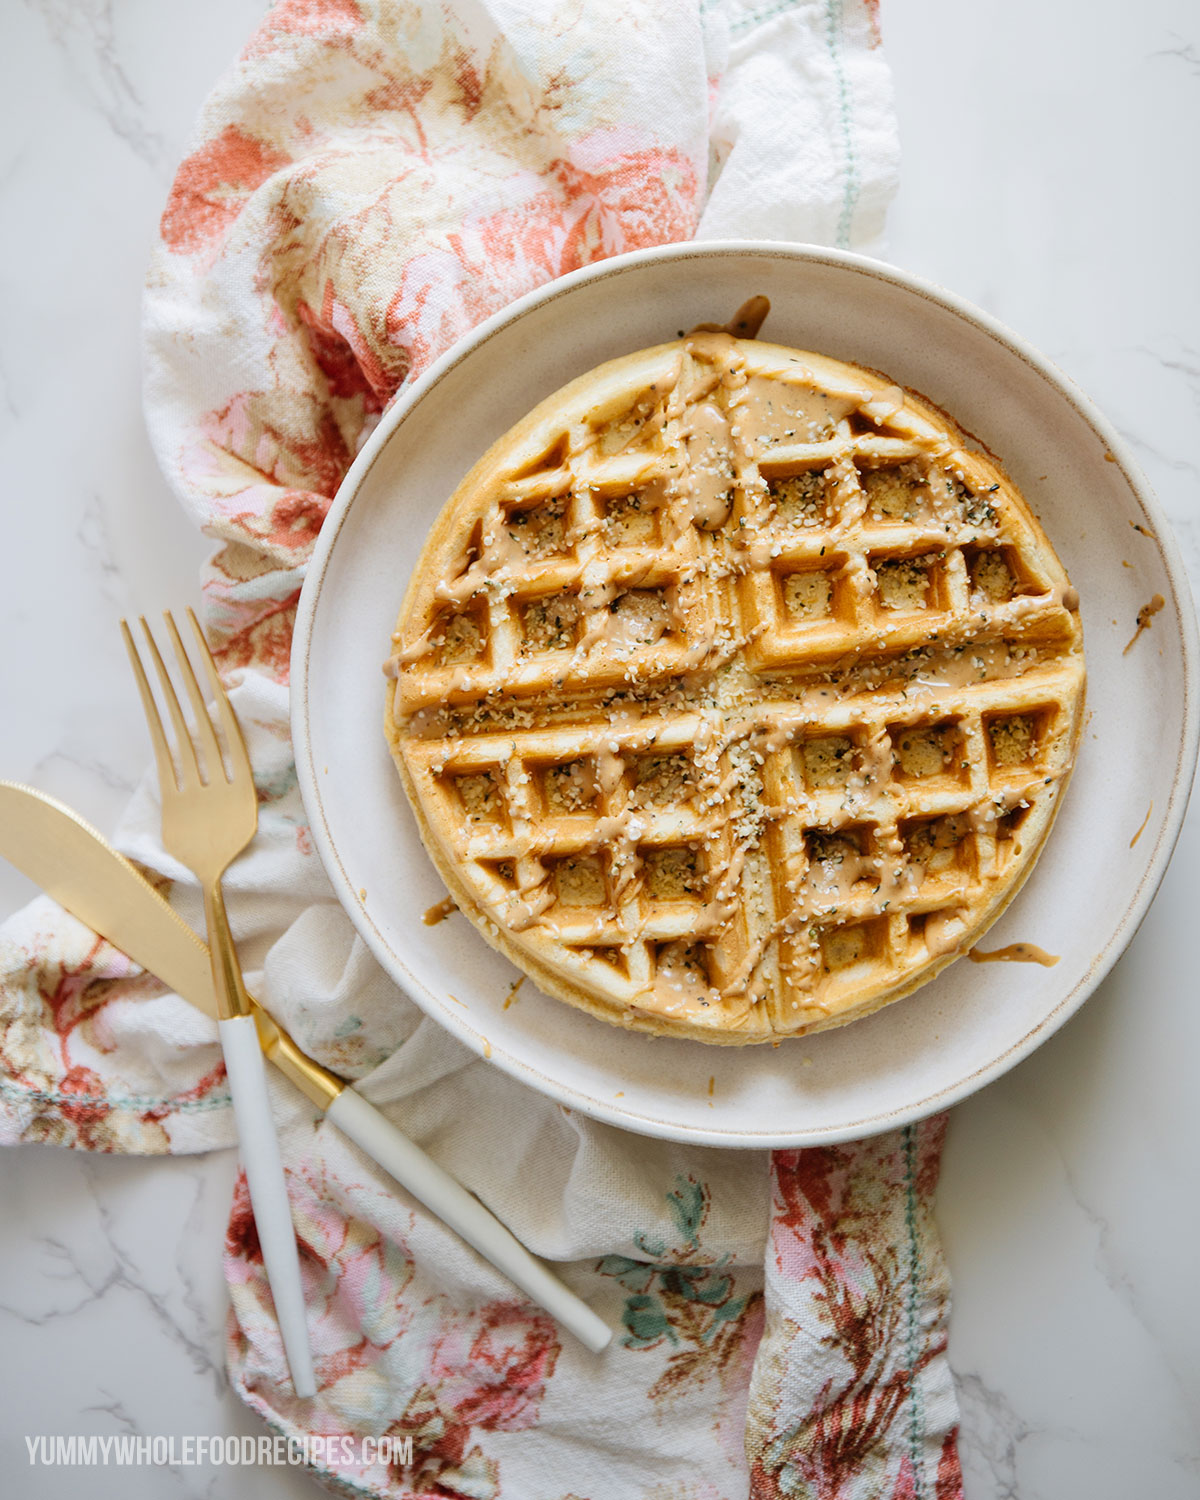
(268, 1192)
(464, 1213)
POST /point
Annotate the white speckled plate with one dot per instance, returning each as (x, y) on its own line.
(1097, 875)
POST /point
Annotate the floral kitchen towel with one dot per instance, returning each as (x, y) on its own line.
(371, 179)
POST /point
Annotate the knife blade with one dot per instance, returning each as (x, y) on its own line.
(81, 870)
(70, 861)
(75, 864)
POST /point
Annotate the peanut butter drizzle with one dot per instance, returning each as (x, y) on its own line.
(1142, 828)
(1015, 953)
(990, 660)
(811, 415)
(440, 912)
(1144, 617)
(944, 931)
(675, 973)
(709, 475)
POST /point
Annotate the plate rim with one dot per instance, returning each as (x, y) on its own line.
(570, 1096)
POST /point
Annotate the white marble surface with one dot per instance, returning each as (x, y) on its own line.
(1048, 176)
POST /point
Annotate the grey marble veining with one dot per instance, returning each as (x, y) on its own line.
(84, 34)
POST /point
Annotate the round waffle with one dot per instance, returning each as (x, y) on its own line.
(733, 693)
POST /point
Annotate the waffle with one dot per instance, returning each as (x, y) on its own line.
(734, 693)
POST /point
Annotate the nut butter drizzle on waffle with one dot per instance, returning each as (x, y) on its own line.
(737, 694)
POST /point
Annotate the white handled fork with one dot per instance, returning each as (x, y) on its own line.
(209, 815)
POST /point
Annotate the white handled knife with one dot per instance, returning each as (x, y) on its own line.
(77, 866)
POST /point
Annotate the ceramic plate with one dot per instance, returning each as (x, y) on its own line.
(1106, 854)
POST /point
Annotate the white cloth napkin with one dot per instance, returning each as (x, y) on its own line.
(370, 179)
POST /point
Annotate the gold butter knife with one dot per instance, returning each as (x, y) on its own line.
(77, 866)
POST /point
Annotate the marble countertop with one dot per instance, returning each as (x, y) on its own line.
(1047, 177)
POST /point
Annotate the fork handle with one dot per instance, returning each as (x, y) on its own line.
(268, 1192)
(230, 987)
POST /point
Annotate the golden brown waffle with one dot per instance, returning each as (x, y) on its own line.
(734, 696)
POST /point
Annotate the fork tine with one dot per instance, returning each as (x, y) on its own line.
(213, 759)
(189, 769)
(239, 759)
(167, 776)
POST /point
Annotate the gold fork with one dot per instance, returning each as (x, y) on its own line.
(209, 815)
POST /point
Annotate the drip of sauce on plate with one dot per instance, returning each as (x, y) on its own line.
(1142, 828)
(749, 318)
(745, 323)
(1144, 617)
(1015, 953)
(440, 912)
